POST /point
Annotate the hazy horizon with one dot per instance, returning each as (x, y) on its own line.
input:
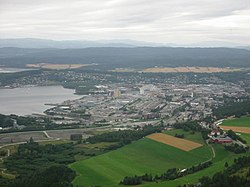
(65, 43)
(179, 22)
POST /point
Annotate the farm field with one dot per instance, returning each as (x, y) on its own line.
(246, 137)
(195, 136)
(179, 143)
(140, 157)
(57, 66)
(241, 124)
(222, 156)
(243, 121)
(237, 129)
(189, 69)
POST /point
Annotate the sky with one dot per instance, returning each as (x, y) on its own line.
(164, 21)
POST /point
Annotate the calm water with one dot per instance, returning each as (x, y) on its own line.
(12, 70)
(28, 100)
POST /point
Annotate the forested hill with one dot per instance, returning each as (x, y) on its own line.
(138, 57)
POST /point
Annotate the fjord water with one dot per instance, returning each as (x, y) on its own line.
(13, 70)
(28, 100)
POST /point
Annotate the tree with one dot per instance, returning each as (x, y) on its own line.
(226, 164)
(31, 140)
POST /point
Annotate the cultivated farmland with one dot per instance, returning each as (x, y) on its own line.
(185, 145)
(192, 136)
(237, 129)
(222, 156)
(241, 124)
(57, 66)
(140, 157)
(243, 121)
(188, 69)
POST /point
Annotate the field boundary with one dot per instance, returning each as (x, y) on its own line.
(237, 129)
(183, 144)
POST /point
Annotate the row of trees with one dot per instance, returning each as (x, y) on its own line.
(233, 108)
(228, 178)
(179, 135)
(189, 126)
(236, 148)
(125, 136)
(170, 174)
(234, 136)
(194, 127)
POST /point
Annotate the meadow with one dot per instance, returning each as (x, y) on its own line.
(180, 143)
(241, 124)
(140, 157)
(149, 156)
(243, 121)
(192, 136)
(222, 156)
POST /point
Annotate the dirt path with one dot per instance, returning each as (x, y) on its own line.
(212, 149)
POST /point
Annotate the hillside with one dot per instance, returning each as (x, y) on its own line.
(143, 156)
(140, 57)
(152, 157)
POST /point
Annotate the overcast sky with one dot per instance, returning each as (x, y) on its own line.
(166, 21)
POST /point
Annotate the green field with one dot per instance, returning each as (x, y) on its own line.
(245, 137)
(148, 156)
(222, 156)
(143, 156)
(195, 136)
(243, 121)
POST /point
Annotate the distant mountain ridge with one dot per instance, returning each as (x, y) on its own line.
(71, 44)
(120, 57)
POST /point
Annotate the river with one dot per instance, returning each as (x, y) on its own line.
(28, 100)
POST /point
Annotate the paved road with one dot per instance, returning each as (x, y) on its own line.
(18, 143)
(6, 138)
(59, 130)
(46, 134)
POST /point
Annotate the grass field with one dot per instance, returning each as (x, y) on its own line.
(180, 143)
(241, 124)
(237, 129)
(153, 157)
(195, 136)
(245, 137)
(137, 158)
(222, 156)
(243, 121)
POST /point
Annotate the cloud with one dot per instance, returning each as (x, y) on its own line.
(178, 21)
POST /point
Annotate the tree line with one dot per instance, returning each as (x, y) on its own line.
(194, 127)
(125, 136)
(236, 148)
(233, 108)
(229, 177)
(170, 174)
(234, 136)
(40, 165)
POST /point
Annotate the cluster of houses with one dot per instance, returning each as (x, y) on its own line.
(217, 136)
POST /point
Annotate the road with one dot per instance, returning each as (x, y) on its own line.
(6, 138)
(212, 149)
(46, 134)
(18, 143)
